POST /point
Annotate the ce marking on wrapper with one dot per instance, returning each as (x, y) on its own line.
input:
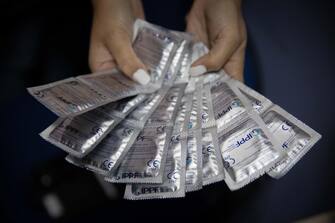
(209, 149)
(175, 138)
(107, 164)
(173, 176)
(160, 129)
(153, 164)
(127, 132)
(286, 126)
(204, 116)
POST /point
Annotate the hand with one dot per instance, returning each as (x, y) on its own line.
(111, 38)
(220, 25)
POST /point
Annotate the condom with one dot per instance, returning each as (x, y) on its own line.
(108, 154)
(145, 161)
(155, 46)
(80, 134)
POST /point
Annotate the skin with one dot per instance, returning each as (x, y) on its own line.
(217, 23)
(220, 25)
(111, 35)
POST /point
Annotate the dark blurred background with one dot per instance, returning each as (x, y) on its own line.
(290, 59)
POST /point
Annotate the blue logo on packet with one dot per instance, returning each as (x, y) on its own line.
(236, 103)
(188, 160)
(246, 138)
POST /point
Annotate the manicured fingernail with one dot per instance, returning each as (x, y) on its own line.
(198, 70)
(141, 76)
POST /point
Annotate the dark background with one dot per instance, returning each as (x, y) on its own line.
(290, 59)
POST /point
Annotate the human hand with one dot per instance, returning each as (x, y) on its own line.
(220, 25)
(111, 38)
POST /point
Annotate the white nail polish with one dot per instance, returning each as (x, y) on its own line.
(141, 76)
(198, 70)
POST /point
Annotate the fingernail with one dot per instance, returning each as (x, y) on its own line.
(141, 76)
(197, 70)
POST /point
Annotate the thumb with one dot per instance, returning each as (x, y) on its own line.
(222, 49)
(120, 46)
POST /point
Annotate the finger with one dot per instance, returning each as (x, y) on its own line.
(222, 49)
(119, 44)
(138, 9)
(199, 30)
(99, 57)
(235, 66)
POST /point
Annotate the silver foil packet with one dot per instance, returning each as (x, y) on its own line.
(166, 112)
(181, 123)
(164, 43)
(159, 49)
(227, 105)
(183, 73)
(194, 177)
(212, 163)
(116, 85)
(257, 101)
(108, 154)
(80, 134)
(68, 97)
(145, 161)
(248, 150)
(195, 113)
(294, 136)
(180, 61)
(155, 46)
(193, 180)
(175, 64)
(173, 185)
(207, 113)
